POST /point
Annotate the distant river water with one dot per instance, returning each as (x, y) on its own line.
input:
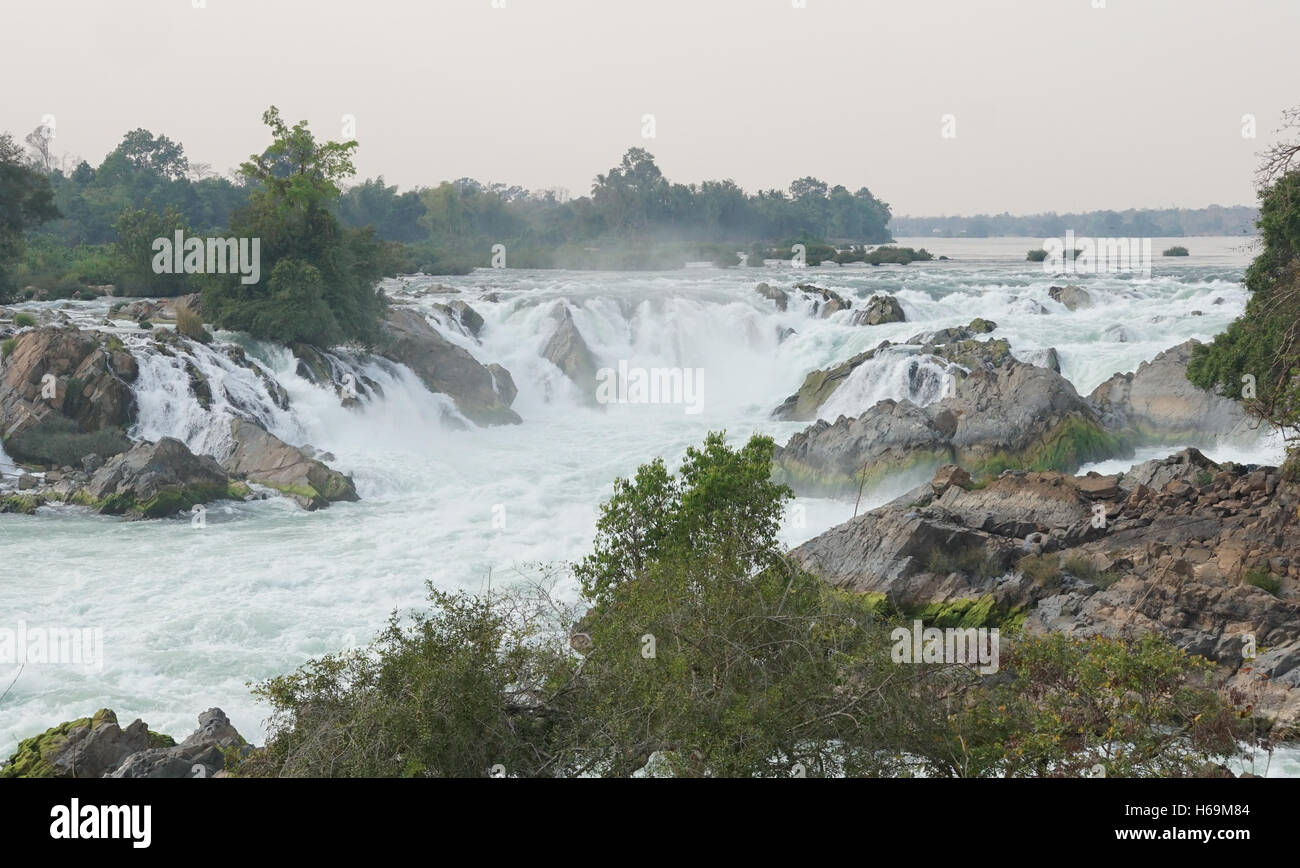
(190, 616)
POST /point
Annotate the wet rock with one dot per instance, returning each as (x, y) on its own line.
(825, 301)
(152, 480)
(261, 457)
(1073, 297)
(569, 352)
(880, 309)
(777, 295)
(462, 315)
(445, 367)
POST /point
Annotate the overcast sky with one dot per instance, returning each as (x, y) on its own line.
(1057, 105)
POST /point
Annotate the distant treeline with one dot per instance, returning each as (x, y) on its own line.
(1133, 223)
(634, 217)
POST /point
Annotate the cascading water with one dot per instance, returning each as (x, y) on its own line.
(190, 616)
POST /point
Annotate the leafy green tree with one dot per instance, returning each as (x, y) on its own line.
(26, 200)
(291, 211)
(137, 229)
(1259, 352)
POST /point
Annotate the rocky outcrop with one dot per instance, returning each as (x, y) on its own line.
(569, 352)
(265, 459)
(777, 295)
(1158, 404)
(445, 367)
(202, 755)
(95, 747)
(948, 346)
(65, 385)
(1000, 414)
(1201, 553)
(1073, 297)
(880, 309)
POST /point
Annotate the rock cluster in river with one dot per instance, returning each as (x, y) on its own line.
(1206, 554)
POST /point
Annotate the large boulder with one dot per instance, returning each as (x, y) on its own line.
(63, 390)
(1157, 403)
(880, 309)
(445, 367)
(152, 480)
(569, 352)
(261, 457)
(818, 386)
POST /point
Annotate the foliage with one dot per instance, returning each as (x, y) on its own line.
(322, 275)
(696, 649)
(190, 324)
(1262, 578)
(27, 201)
(1176, 250)
(137, 229)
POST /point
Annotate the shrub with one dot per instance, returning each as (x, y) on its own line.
(1043, 570)
(7, 347)
(190, 324)
(57, 442)
(1038, 255)
(1261, 578)
(24, 320)
(1176, 250)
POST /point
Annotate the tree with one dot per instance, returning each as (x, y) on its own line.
(26, 200)
(1257, 358)
(295, 190)
(137, 229)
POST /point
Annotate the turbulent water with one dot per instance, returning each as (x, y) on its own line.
(190, 616)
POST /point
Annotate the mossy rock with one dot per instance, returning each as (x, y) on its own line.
(34, 757)
(25, 504)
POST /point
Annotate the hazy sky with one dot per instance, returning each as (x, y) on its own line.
(1057, 105)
